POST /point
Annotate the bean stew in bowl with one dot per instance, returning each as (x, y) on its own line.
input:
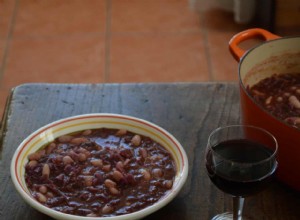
(103, 166)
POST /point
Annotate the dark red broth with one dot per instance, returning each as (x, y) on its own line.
(280, 95)
(101, 172)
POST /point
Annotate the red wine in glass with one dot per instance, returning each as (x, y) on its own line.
(239, 181)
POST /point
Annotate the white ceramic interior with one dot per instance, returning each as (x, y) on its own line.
(277, 56)
(49, 132)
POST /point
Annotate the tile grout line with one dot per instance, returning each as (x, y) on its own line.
(107, 42)
(206, 48)
(8, 40)
(209, 63)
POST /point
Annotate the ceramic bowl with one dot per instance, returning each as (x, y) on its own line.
(53, 130)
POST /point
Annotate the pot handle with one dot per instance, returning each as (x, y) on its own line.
(234, 48)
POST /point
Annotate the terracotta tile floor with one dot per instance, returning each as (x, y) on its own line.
(108, 41)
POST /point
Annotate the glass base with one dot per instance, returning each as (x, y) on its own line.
(224, 216)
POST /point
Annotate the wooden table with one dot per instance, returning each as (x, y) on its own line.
(190, 111)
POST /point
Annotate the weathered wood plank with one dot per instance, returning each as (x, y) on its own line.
(190, 111)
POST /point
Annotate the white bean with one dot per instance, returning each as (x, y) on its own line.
(120, 165)
(88, 180)
(136, 140)
(32, 163)
(157, 172)
(84, 151)
(168, 184)
(256, 92)
(293, 88)
(268, 100)
(50, 194)
(146, 174)
(117, 175)
(294, 101)
(67, 160)
(81, 157)
(109, 183)
(106, 167)
(121, 132)
(279, 99)
(126, 162)
(114, 191)
(50, 148)
(65, 139)
(79, 140)
(43, 189)
(46, 170)
(107, 209)
(87, 132)
(97, 162)
(293, 120)
(36, 155)
(41, 198)
(143, 152)
(91, 215)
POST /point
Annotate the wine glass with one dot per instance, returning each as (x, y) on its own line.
(240, 161)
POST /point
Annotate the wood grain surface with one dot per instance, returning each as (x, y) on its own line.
(190, 111)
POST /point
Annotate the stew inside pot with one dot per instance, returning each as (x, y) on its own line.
(280, 95)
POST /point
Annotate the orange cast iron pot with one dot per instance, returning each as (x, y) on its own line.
(275, 55)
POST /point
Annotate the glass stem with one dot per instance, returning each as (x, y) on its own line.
(238, 204)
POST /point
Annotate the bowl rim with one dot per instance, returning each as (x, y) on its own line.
(181, 179)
